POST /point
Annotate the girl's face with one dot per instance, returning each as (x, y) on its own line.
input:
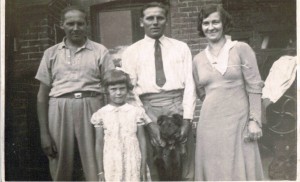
(117, 94)
(212, 27)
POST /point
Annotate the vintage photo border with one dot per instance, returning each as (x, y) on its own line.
(2, 89)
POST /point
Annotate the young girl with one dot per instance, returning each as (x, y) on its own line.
(120, 138)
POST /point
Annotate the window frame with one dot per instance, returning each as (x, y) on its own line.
(119, 5)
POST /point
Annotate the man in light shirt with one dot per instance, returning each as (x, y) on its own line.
(160, 69)
(70, 75)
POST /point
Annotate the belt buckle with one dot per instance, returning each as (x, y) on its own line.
(78, 95)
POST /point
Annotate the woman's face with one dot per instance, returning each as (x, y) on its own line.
(212, 27)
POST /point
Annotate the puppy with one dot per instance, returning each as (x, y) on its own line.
(168, 158)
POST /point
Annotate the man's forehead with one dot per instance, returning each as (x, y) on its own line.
(74, 13)
(154, 11)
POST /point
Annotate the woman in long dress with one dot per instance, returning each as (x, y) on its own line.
(229, 84)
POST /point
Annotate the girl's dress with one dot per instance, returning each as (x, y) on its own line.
(121, 152)
(221, 151)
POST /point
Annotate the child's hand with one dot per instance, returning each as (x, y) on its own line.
(101, 176)
(143, 174)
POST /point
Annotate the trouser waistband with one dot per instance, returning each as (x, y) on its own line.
(162, 98)
(79, 95)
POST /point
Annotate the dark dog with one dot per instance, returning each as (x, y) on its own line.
(168, 158)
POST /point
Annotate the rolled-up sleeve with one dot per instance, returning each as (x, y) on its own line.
(44, 74)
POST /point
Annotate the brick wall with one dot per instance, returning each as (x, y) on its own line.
(34, 30)
(184, 17)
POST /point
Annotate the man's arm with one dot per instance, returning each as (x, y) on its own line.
(47, 142)
(189, 95)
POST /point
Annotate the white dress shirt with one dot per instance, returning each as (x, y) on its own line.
(139, 62)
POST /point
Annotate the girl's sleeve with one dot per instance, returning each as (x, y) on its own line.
(97, 120)
(253, 81)
(143, 118)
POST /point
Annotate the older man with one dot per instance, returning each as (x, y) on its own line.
(70, 92)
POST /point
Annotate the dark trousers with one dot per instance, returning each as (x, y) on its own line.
(168, 105)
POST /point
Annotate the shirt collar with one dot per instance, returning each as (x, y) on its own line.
(86, 45)
(124, 107)
(151, 40)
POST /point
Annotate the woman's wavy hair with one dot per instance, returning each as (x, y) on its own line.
(205, 11)
(115, 76)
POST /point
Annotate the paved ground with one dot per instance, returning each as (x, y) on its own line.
(266, 157)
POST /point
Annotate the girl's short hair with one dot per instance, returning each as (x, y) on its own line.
(115, 76)
(205, 11)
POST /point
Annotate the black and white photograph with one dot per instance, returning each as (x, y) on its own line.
(148, 90)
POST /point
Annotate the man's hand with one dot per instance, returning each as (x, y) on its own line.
(154, 131)
(184, 129)
(48, 145)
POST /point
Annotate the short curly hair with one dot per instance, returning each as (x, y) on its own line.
(116, 76)
(205, 11)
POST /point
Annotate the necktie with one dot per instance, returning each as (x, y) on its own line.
(159, 67)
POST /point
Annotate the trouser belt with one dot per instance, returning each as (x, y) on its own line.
(79, 95)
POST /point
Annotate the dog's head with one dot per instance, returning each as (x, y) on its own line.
(169, 125)
(168, 157)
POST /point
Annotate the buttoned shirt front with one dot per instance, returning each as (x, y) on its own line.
(138, 62)
(82, 72)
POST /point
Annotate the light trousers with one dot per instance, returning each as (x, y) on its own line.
(69, 122)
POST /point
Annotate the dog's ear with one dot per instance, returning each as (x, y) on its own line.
(177, 118)
(161, 119)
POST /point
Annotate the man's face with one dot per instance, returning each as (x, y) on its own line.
(154, 22)
(75, 26)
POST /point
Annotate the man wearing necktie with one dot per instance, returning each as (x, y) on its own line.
(160, 69)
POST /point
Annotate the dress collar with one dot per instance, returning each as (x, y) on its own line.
(220, 62)
(125, 107)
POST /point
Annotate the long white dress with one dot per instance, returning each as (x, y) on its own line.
(121, 152)
(221, 152)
